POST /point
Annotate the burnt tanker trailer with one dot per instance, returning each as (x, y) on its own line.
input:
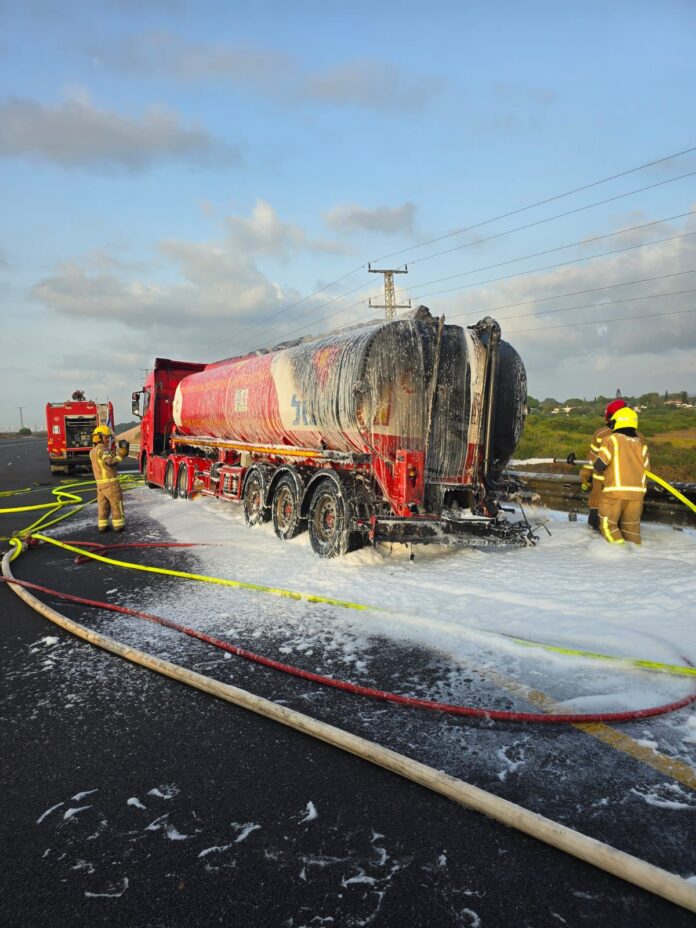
(394, 430)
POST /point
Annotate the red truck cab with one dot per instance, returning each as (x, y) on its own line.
(153, 406)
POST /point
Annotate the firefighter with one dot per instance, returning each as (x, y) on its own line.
(586, 474)
(620, 465)
(109, 493)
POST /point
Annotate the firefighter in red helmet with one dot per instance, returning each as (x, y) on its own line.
(591, 481)
(109, 493)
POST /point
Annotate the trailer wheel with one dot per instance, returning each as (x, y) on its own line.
(286, 509)
(169, 480)
(255, 512)
(329, 533)
(182, 482)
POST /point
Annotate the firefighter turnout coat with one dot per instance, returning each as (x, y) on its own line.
(620, 468)
(109, 493)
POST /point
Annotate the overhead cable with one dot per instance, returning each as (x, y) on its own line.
(522, 209)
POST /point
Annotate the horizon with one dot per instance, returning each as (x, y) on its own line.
(191, 180)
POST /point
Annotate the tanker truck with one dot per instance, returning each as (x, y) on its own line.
(389, 431)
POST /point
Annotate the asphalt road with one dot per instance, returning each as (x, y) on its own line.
(130, 800)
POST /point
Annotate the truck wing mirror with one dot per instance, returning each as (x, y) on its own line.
(135, 404)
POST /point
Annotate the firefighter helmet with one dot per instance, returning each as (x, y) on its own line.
(99, 431)
(611, 409)
(625, 418)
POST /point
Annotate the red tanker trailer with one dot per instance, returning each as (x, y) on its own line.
(394, 430)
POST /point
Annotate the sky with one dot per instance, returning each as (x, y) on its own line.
(196, 180)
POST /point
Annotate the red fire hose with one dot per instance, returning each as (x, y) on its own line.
(356, 689)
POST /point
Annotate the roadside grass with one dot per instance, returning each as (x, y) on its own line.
(671, 436)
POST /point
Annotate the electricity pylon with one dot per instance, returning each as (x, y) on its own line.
(390, 305)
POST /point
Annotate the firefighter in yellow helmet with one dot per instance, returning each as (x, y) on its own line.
(621, 463)
(109, 493)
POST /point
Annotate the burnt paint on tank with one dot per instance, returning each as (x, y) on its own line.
(376, 387)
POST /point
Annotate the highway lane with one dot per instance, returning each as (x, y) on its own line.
(131, 800)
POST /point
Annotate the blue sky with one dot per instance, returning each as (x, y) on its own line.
(179, 179)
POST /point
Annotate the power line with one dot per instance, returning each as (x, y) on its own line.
(337, 312)
(570, 309)
(548, 251)
(568, 325)
(328, 303)
(535, 270)
(284, 309)
(559, 296)
(549, 267)
(522, 209)
(539, 222)
(513, 260)
(514, 212)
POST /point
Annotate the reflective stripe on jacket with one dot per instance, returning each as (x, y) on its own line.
(104, 464)
(622, 461)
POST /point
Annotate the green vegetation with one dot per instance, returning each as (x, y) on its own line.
(24, 431)
(670, 431)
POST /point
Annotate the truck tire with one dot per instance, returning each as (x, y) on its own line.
(170, 480)
(255, 510)
(329, 531)
(182, 482)
(285, 509)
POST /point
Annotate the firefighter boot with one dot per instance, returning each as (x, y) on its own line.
(593, 519)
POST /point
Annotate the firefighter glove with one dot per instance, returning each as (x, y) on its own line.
(587, 485)
(123, 447)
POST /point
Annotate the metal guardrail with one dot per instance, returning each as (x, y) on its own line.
(563, 491)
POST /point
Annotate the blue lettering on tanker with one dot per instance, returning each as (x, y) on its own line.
(300, 407)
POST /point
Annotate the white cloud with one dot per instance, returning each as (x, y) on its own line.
(273, 74)
(77, 133)
(265, 233)
(585, 359)
(387, 219)
(213, 288)
(374, 85)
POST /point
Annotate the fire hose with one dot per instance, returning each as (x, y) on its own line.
(356, 689)
(625, 866)
(63, 498)
(572, 460)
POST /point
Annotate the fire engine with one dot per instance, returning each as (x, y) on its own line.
(69, 426)
(389, 431)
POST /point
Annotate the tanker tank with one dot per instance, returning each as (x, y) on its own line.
(407, 383)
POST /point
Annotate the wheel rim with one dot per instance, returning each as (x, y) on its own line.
(182, 484)
(252, 497)
(285, 508)
(325, 519)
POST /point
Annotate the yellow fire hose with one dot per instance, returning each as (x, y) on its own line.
(630, 662)
(63, 498)
(671, 489)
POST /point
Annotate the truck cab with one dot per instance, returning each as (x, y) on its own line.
(153, 406)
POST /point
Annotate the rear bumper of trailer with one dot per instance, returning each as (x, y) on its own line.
(473, 530)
